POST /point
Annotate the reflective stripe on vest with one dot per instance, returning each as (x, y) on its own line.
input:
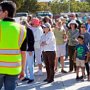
(21, 37)
(10, 64)
(11, 52)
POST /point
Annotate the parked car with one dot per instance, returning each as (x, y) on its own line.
(43, 13)
(20, 15)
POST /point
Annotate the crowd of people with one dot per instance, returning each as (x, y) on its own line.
(58, 40)
(36, 40)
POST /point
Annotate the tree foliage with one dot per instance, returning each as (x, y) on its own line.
(73, 6)
(88, 1)
(26, 5)
(30, 6)
(43, 6)
(56, 6)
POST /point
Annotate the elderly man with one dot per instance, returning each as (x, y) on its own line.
(72, 16)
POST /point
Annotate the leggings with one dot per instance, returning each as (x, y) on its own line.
(87, 68)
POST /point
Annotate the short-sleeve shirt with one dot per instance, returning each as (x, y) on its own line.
(59, 35)
(72, 36)
(81, 50)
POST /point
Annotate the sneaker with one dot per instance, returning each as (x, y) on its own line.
(25, 79)
(63, 71)
(50, 81)
(30, 81)
(77, 78)
(70, 71)
(40, 73)
(81, 77)
(45, 80)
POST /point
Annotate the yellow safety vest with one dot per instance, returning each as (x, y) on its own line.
(12, 36)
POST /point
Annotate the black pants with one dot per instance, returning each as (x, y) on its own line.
(87, 68)
(49, 59)
(72, 65)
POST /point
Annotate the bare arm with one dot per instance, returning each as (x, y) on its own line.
(23, 53)
(23, 63)
(88, 55)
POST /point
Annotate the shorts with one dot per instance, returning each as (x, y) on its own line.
(60, 50)
(80, 63)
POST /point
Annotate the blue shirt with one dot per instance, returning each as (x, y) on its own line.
(86, 38)
(81, 50)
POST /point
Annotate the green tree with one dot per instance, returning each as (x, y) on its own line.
(43, 6)
(88, 1)
(30, 6)
(72, 0)
(57, 7)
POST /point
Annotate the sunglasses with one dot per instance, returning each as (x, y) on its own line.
(71, 16)
(83, 27)
(32, 24)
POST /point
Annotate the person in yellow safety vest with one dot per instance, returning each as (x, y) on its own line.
(12, 47)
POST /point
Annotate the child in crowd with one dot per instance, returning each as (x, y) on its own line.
(80, 57)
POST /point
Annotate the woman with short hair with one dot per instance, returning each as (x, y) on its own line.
(48, 46)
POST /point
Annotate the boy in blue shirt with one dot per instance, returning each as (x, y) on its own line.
(80, 56)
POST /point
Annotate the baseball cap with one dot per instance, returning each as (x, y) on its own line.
(47, 25)
(36, 21)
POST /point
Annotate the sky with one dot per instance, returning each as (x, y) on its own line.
(44, 0)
